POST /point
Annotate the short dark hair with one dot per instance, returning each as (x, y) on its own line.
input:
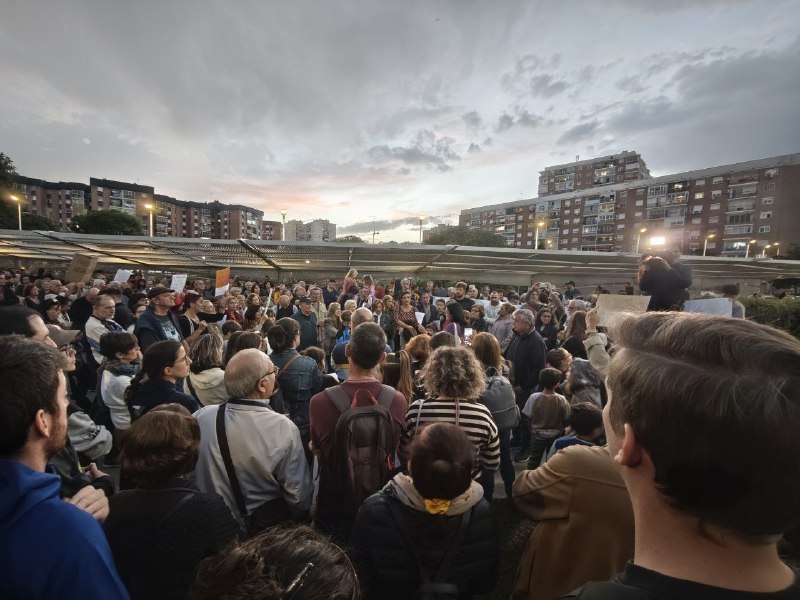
(442, 459)
(367, 345)
(266, 565)
(316, 354)
(442, 338)
(714, 412)
(116, 341)
(585, 417)
(160, 445)
(28, 383)
(230, 327)
(549, 377)
(556, 357)
(15, 320)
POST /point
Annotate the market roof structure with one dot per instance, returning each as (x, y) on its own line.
(453, 262)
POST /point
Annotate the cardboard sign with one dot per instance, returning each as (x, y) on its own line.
(223, 282)
(722, 307)
(81, 268)
(611, 307)
(122, 275)
(178, 282)
(420, 317)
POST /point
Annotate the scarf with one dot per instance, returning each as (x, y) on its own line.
(402, 487)
(116, 367)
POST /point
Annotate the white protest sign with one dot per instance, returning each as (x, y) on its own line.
(611, 307)
(420, 317)
(722, 307)
(123, 275)
(178, 282)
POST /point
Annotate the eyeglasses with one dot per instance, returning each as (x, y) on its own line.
(267, 374)
(185, 358)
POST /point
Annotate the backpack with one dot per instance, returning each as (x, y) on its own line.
(499, 398)
(364, 442)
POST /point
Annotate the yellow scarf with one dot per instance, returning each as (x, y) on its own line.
(436, 506)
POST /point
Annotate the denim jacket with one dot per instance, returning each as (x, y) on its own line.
(298, 383)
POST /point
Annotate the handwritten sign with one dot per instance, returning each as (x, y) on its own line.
(122, 275)
(178, 282)
(612, 307)
(81, 268)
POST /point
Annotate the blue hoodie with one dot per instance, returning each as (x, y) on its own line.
(49, 548)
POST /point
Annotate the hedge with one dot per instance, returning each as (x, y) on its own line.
(783, 314)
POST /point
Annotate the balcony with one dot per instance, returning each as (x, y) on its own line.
(591, 229)
(738, 229)
(740, 207)
(657, 214)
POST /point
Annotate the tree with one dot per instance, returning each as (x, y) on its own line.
(107, 222)
(7, 173)
(350, 239)
(462, 236)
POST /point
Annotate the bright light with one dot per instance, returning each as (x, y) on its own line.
(658, 241)
(540, 224)
(643, 229)
(148, 206)
(14, 198)
(712, 235)
(308, 262)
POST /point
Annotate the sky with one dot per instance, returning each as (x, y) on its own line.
(372, 113)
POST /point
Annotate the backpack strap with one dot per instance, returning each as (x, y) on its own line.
(224, 449)
(386, 397)
(192, 390)
(282, 370)
(338, 398)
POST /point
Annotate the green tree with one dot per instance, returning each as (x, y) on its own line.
(350, 239)
(462, 236)
(7, 173)
(107, 222)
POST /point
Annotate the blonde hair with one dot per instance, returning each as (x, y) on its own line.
(352, 273)
(396, 370)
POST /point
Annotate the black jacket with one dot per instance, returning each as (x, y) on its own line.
(152, 393)
(388, 571)
(528, 355)
(157, 538)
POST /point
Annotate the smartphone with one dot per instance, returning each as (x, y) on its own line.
(468, 336)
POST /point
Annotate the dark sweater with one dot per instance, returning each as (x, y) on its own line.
(155, 550)
(154, 392)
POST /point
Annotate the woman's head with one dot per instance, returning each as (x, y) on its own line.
(577, 325)
(419, 347)
(453, 372)
(162, 444)
(334, 310)
(477, 311)
(284, 334)
(166, 360)
(544, 317)
(405, 298)
(51, 309)
(290, 562)
(388, 303)
(455, 313)
(487, 350)
(442, 459)
(396, 373)
(206, 353)
(317, 354)
(352, 273)
(377, 306)
(350, 305)
(120, 345)
(30, 290)
(192, 301)
(346, 316)
(253, 300)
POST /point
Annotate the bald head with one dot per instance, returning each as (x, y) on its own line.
(360, 315)
(250, 374)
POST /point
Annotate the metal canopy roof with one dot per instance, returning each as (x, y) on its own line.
(489, 265)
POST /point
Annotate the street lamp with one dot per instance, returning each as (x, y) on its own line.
(747, 248)
(639, 238)
(777, 250)
(149, 207)
(19, 210)
(710, 236)
(421, 218)
(764, 251)
(283, 216)
(536, 239)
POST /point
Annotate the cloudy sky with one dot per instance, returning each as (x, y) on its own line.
(370, 113)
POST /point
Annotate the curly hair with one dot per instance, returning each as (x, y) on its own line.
(453, 372)
(419, 347)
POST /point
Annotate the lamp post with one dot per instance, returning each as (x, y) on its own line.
(421, 218)
(283, 217)
(764, 251)
(747, 248)
(639, 238)
(536, 239)
(149, 207)
(19, 210)
(710, 236)
(777, 250)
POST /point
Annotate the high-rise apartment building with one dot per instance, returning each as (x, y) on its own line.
(271, 230)
(594, 172)
(318, 230)
(724, 209)
(58, 201)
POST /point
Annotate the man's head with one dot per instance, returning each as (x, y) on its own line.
(250, 374)
(359, 316)
(586, 420)
(315, 294)
(730, 290)
(199, 286)
(21, 320)
(494, 298)
(707, 424)
(570, 285)
(576, 305)
(103, 307)
(560, 359)
(33, 398)
(305, 305)
(161, 298)
(367, 345)
(460, 290)
(228, 327)
(522, 321)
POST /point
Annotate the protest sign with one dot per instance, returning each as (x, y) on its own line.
(223, 282)
(610, 307)
(722, 307)
(178, 282)
(122, 275)
(81, 268)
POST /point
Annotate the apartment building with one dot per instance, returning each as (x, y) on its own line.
(747, 208)
(271, 230)
(318, 230)
(59, 201)
(594, 172)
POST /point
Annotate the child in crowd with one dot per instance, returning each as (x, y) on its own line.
(343, 334)
(548, 412)
(586, 424)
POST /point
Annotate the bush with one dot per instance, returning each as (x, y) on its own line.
(783, 314)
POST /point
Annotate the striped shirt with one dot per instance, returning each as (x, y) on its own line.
(474, 418)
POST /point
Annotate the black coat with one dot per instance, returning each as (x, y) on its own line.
(528, 355)
(152, 393)
(389, 571)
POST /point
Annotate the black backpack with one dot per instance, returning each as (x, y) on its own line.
(364, 442)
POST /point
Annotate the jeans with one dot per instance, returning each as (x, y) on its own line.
(506, 467)
(539, 448)
(522, 432)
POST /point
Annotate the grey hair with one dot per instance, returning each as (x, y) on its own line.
(244, 371)
(360, 315)
(523, 314)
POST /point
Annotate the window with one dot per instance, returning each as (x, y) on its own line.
(769, 186)
(637, 214)
(764, 229)
(576, 221)
(713, 219)
(623, 194)
(621, 216)
(716, 194)
(714, 206)
(766, 215)
(718, 179)
(621, 205)
(767, 200)
(770, 172)
(697, 209)
(699, 195)
(700, 182)
(576, 230)
(696, 221)
(640, 203)
(565, 231)
(578, 201)
(640, 192)
(621, 226)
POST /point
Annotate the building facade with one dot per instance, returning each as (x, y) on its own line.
(318, 230)
(594, 172)
(750, 208)
(271, 230)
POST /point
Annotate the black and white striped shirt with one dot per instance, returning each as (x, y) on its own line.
(474, 418)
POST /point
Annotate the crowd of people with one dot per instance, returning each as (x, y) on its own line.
(341, 439)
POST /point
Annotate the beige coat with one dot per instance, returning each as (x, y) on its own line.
(584, 529)
(319, 309)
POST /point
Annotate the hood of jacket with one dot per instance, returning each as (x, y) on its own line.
(22, 489)
(402, 487)
(210, 378)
